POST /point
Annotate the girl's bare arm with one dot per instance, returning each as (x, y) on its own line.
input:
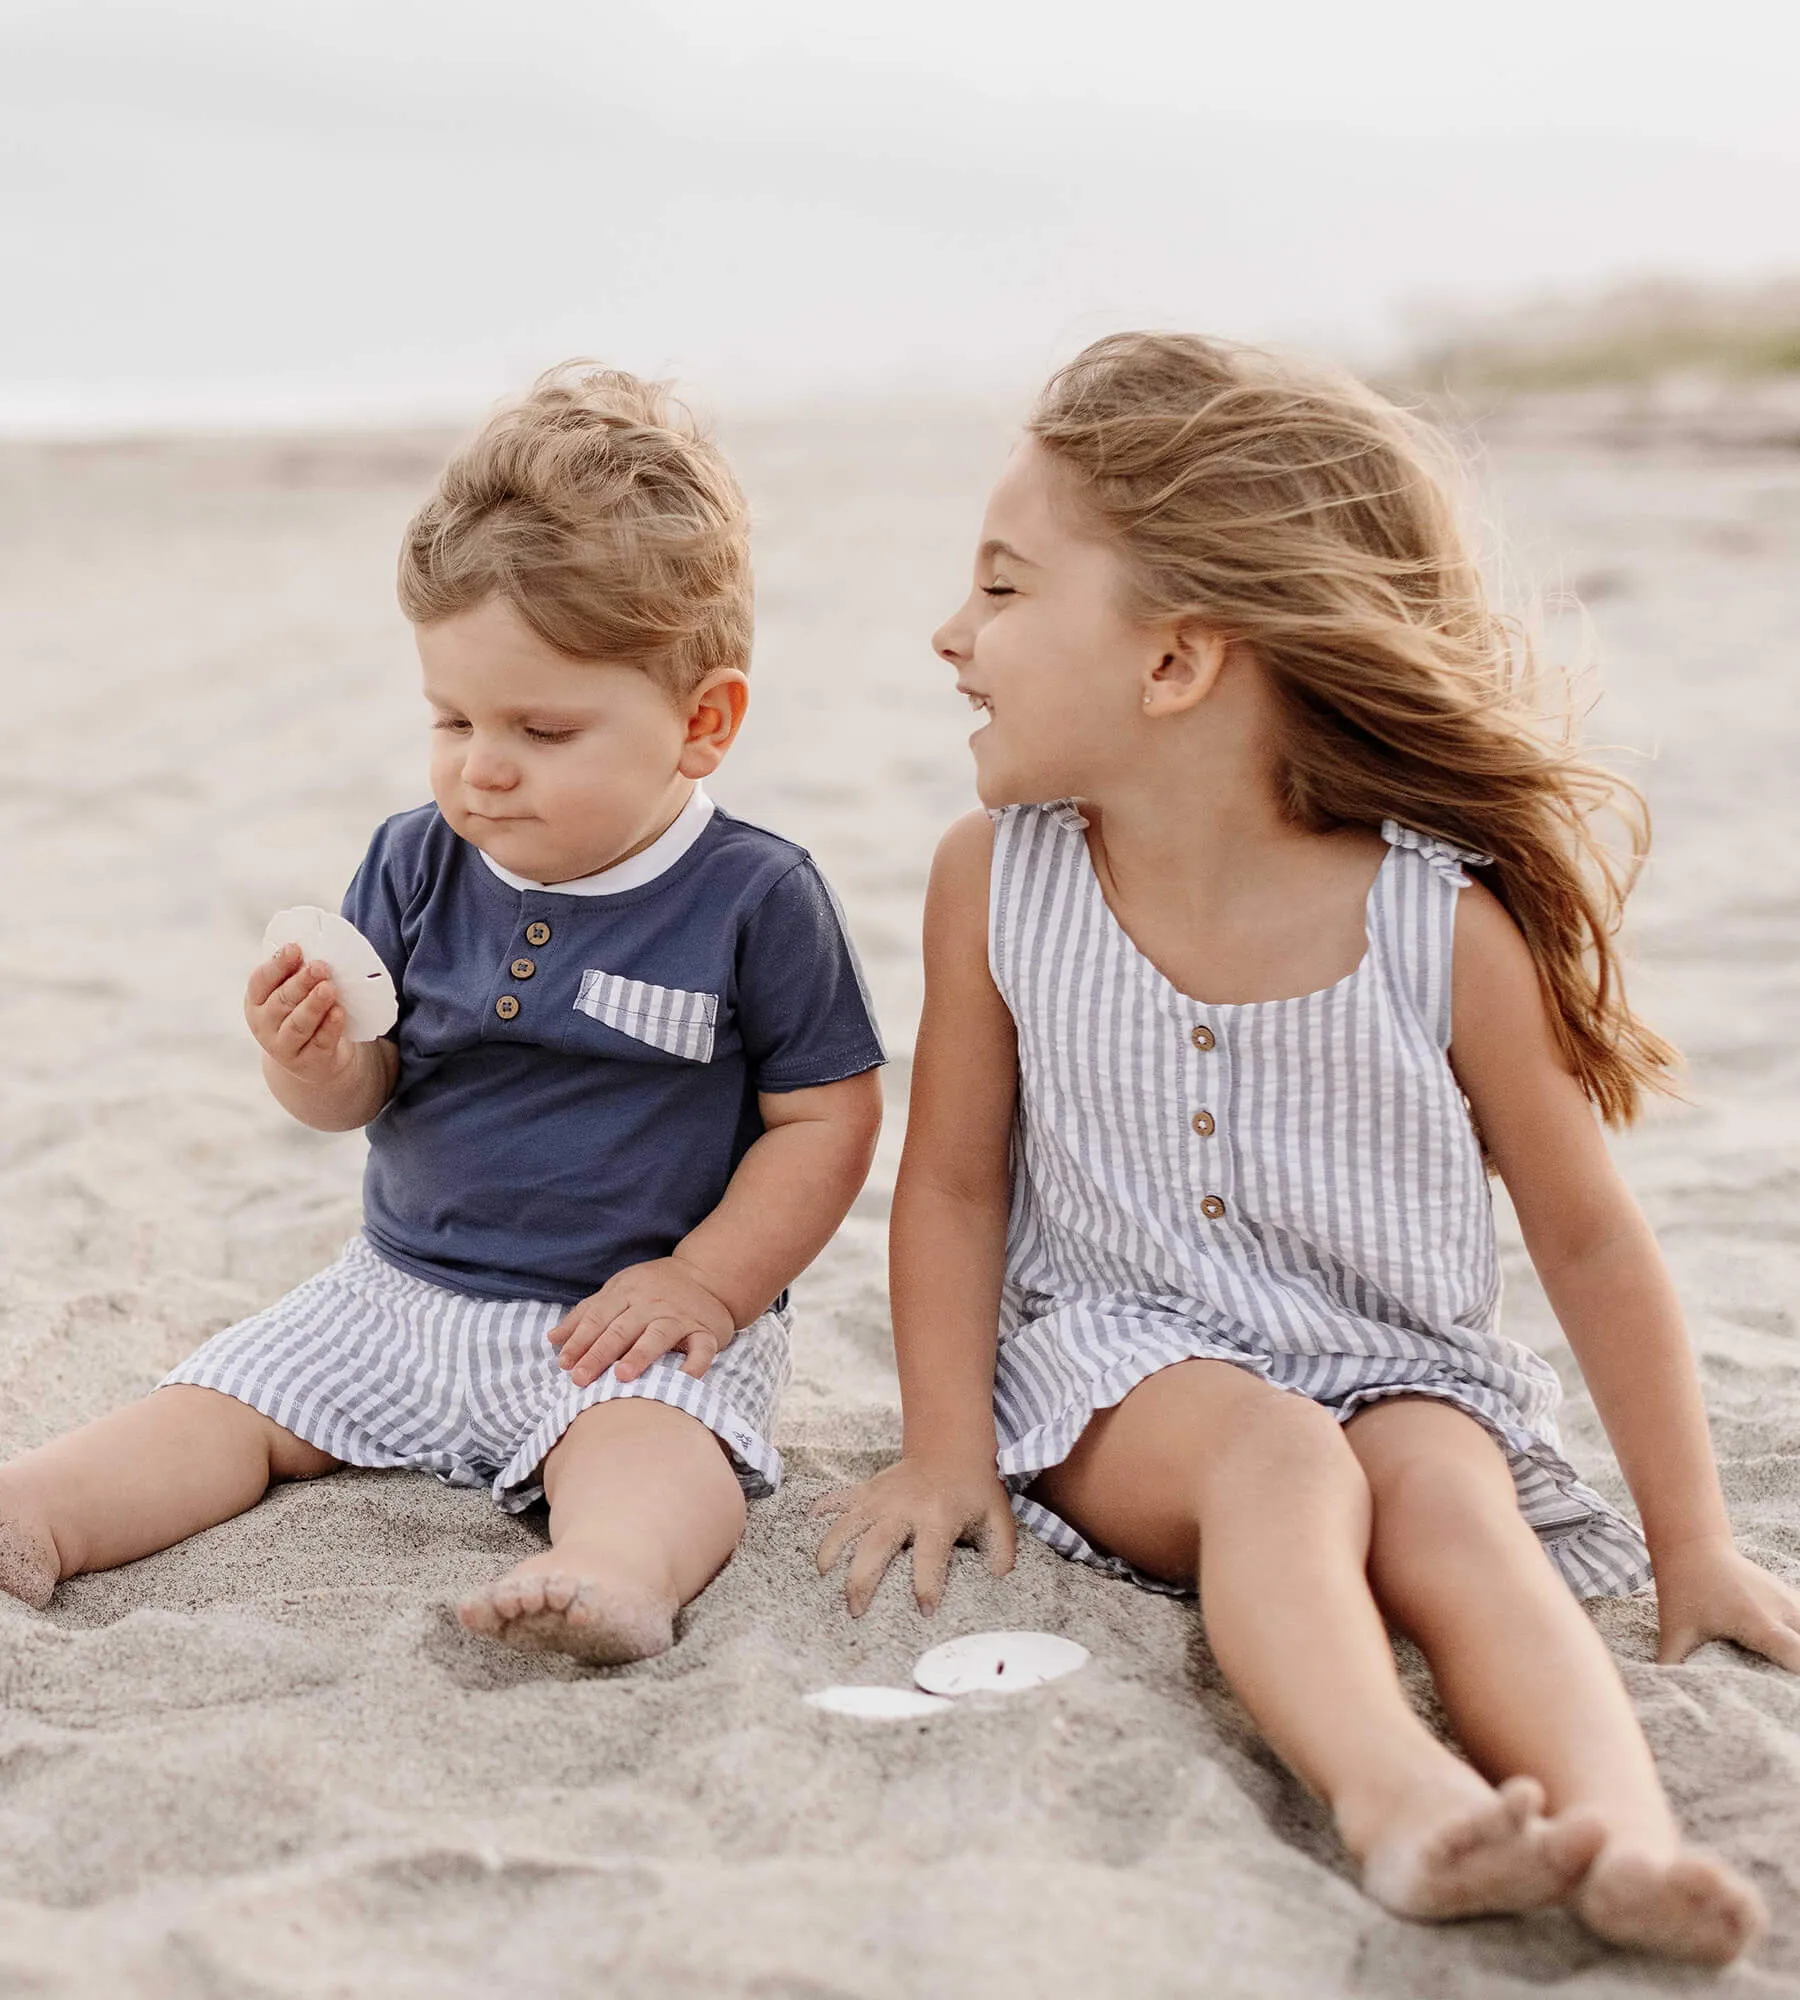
(947, 1255)
(1606, 1280)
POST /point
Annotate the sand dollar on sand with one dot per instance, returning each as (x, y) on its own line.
(877, 1704)
(998, 1662)
(362, 982)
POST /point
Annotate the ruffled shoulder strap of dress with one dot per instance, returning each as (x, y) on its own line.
(1449, 861)
(1037, 851)
(1413, 920)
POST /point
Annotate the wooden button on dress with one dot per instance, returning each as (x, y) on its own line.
(537, 933)
(1212, 1208)
(1202, 1122)
(522, 968)
(1202, 1038)
(507, 1007)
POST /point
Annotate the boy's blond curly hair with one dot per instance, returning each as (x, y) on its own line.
(606, 517)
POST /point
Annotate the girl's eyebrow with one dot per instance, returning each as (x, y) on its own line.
(991, 549)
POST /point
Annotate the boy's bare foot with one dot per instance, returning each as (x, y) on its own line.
(556, 1603)
(30, 1568)
(1687, 1905)
(1464, 1856)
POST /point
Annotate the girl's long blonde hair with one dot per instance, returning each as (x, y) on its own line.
(1297, 512)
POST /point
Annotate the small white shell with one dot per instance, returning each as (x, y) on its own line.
(876, 1703)
(998, 1662)
(362, 982)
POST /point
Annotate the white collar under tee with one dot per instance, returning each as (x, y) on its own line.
(657, 859)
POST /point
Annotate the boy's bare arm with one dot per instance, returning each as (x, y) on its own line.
(790, 1192)
(312, 1068)
(787, 1197)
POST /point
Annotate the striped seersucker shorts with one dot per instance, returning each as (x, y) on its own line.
(382, 1369)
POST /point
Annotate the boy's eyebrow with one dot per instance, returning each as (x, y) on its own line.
(535, 712)
(991, 549)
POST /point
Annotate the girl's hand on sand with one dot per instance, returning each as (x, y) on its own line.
(293, 1012)
(637, 1317)
(1709, 1591)
(929, 1504)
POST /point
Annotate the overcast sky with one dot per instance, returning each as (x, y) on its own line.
(374, 208)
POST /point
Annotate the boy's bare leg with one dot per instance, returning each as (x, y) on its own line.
(1204, 1460)
(1527, 1680)
(139, 1480)
(645, 1511)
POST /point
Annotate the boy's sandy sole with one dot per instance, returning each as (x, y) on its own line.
(877, 1704)
(998, 1662)
(362, 981)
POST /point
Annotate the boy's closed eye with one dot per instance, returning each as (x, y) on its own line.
(562, 733)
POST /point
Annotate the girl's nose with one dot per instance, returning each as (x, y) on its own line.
(950, 641)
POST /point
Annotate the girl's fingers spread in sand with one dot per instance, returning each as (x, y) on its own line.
(998, 1536)
(852, 1522)
(930, 1566)
(879, 1546)
(1780, 1643)
(832, 1503)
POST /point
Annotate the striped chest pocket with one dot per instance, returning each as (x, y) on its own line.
(667, 1017)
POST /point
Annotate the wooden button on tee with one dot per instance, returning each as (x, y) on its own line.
(506, 1007)
(537, 933)
(1202, 1037)
(1212, 1208)
(522, 968)
(1202, 1123)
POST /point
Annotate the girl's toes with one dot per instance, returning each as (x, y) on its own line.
(584, 1606)
(1725, 1915)
(1523, 1799)
(1570, 1845)
(561, 1591)
(477, 1613)
(528, 1596)
(1692, 1908)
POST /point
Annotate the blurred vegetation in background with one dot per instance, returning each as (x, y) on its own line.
(1644, 331)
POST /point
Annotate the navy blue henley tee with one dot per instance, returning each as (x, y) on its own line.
(579, 1072)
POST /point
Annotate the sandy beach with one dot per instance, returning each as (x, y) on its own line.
(269, 1763)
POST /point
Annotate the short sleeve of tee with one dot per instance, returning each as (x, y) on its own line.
(803, 1008)
(378, 896)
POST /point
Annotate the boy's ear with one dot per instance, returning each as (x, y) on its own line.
(1187, 669)
(714, 713)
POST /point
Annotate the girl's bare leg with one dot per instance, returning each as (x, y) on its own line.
(645, 1511)
(139, 1480)
(1528, 1681)
(1204, 1467)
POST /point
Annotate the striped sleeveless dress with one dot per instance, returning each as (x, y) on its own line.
(1293, 1186)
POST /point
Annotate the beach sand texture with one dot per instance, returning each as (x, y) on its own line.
(269, 1763)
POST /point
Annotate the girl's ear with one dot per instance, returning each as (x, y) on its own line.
(714, 713)
(1187, 669)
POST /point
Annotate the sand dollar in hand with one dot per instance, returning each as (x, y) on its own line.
(362, 982)
(998, 1662)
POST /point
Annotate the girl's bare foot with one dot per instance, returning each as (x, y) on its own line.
(1461, 1854)
(1687, 1905)
(30, 1568)
(557, 1603)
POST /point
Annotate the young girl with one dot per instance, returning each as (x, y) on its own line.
(1283, 915)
